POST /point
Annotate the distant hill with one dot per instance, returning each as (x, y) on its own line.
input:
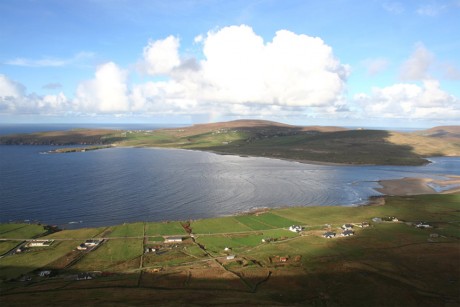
(275, 140)
(446, 132)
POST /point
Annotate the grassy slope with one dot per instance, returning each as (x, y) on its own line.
(270, 139)
(397, 263)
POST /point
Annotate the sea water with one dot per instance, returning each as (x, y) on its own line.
(112, 186)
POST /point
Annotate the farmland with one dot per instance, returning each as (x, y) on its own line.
(264, 262)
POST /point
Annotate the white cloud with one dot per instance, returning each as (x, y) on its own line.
(239, 67)
(50, 62)
(407, 100)
(418, 65)
(14, 99)
(161, 56)
(375, 66)
(9, 88)
(106, 93)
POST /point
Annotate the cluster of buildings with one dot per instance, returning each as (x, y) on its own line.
(347, 230)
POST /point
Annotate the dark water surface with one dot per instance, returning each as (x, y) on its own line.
(112, 186)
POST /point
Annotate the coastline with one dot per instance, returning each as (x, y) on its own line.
(417, 186)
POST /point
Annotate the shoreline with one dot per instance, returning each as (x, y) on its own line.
(417, 186)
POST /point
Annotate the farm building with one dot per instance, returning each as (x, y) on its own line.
(150, 250)
(40, 243)
(347, 226)
(296, 228)
(230, 257)
(82, 247)
(329, 234)
(347, 233)
(173, 239)
(92, 242)
(45, 273)
(423, 225)
(363, 225)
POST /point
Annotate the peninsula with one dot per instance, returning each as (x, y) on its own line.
(318, 144)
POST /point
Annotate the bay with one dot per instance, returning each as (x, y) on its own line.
(113, 186)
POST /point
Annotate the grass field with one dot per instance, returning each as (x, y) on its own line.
(20, 231)
(127, 230)
(83, 233)
(161, 229)
(396, 263)
(6, 246)
(14, 266)
(113, 255)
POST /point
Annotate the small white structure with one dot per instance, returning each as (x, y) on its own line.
(150, 250)
(40, 243)
(347, 227)
(82, 247)
(173, 239)
(377, 220)
(423, 225)
(227, 249)
(363, 225)
(92, 243)
(45, 273)
(296, 228)
(230, 257)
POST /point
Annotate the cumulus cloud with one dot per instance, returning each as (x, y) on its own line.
(106, 93)
(239, 67)
(406, 100)
(161, 56)
(417, 66)
(241, 74)
(9, 88)
(15, 99)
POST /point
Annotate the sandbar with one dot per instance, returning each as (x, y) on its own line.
(417, 186)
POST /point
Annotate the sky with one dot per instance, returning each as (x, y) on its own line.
(307, 62)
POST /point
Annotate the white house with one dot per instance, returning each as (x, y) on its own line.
(230, 257)
(296, 228)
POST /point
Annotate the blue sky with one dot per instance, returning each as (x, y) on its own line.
(342, 62)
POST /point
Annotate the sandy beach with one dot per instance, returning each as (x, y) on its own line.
(416, 186)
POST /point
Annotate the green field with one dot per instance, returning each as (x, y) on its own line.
(83, 233)
(127, 230)
(20, 231)
(166, 228)
(395, 262)
(115, 255)
(36, 258)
